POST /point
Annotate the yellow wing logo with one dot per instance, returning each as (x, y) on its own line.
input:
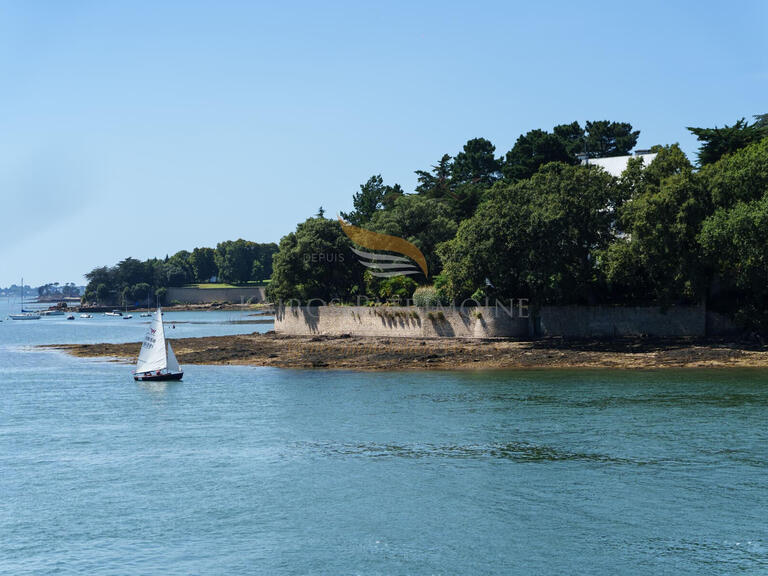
(385, 265)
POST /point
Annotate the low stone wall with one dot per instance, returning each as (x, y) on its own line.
(207, 295)
(618, 321)
(481, 322)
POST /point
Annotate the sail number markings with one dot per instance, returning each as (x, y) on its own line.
(149, 339)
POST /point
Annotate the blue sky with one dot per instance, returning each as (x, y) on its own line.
(143, 128)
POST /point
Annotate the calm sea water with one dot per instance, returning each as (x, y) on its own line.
(264, 471)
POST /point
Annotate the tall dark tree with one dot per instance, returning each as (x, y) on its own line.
(476, 163)
(572, 137)
(531, 151)
(437, 182)
(373, 196)
(130, 271)
(203, 264)
(264, 256)
(717, 142)
(606, 138)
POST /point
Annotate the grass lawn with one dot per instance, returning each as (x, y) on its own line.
(221, 285)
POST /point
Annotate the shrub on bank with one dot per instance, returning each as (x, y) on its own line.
(426, 296)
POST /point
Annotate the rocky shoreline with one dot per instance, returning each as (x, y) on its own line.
(360, 353)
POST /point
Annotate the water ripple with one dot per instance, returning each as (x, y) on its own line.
(513, 451)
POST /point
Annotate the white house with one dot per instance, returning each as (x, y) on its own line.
(615, 165)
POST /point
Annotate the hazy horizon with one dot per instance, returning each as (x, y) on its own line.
(140, 130)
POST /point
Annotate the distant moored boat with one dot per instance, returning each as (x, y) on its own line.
(25, 314)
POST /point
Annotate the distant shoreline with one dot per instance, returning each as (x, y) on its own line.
(212, 306)
(388, 354)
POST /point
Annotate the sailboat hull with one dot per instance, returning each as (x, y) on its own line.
(162, 377)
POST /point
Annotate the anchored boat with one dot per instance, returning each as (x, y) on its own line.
(156, 359)
(25, 314)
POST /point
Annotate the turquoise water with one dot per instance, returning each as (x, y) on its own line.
(242, 470)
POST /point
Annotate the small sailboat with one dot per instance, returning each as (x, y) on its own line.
(156, 359)
(146, 314)
(126, 316)
(25, 314)
(71, 317)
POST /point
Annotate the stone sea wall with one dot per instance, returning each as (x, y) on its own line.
(492, 322)
(481, 322)
(622, 321)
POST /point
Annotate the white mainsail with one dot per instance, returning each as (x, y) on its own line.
(152, 356)
(173, 364)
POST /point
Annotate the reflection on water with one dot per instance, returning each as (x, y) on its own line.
(158, 388)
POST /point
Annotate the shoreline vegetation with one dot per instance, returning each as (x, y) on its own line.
(405, 354)
(571, 216)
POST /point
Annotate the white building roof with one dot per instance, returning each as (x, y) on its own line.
(617, 164)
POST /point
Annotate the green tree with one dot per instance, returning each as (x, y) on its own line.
(129, 272)
(531, 151)
(397, 289)
(465, 199)
(140, 292)
(257, 271)
(70, 290)
(476, 163)
(717, 142)
(181, 261)
(315, 261)
(572, 136)
(265, 254)
(534, 238)
(738, 177)
(102, 292)
(424, 222)
(203, 263)
(605, 138)
(172, 274)
(661, 208)
(733, 238)
(437, 182)
(735, 243)
(235, 260)
(374, 195)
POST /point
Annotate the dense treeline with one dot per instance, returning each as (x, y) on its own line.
(54, 289)
(536, 223)
(133, 280)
